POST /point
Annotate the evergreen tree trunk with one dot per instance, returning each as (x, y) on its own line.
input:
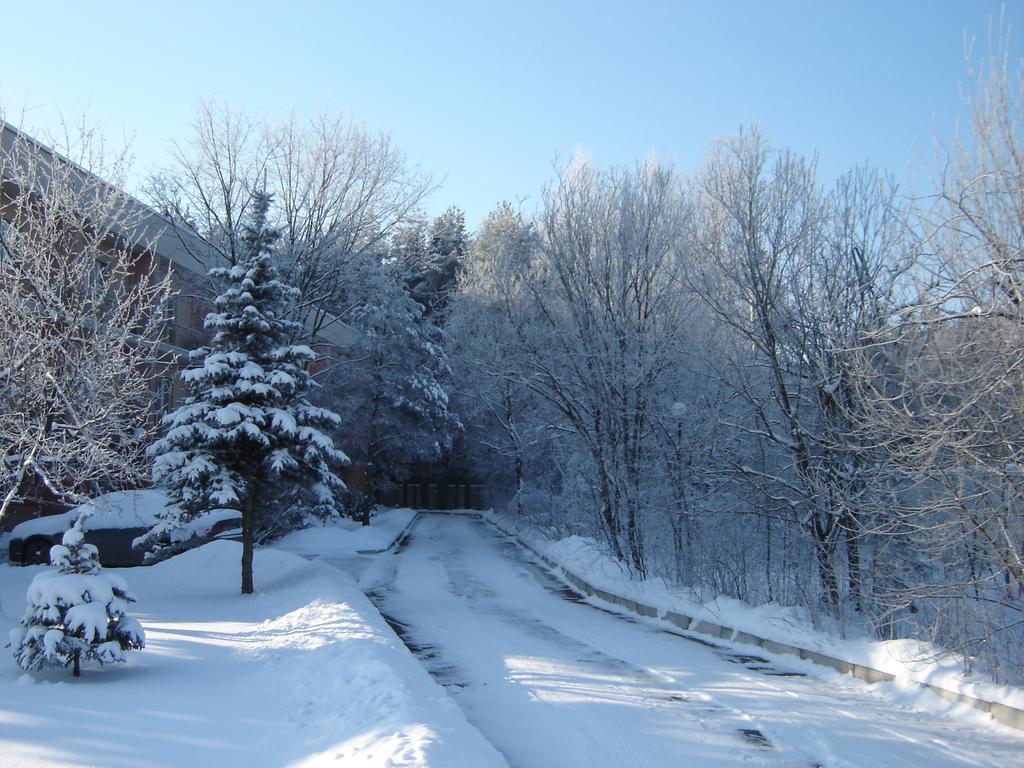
(372, 475)
(372, 457)
(365, 505)
(77, 671)
(248, 523)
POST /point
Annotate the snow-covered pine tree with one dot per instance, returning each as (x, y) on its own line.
(400, 383)
(432, 259)
(247, 421)
(75, 611)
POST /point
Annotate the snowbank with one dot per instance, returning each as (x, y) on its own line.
(910, 661)
(303, 673)
(347, 537)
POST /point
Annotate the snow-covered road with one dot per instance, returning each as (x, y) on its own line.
(551, 681)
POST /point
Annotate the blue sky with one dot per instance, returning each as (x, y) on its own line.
(485, 96)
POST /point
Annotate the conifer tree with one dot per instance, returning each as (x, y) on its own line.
(448, 244)
(401, 383)
(433, 259)
(75, 611)
(247, 422)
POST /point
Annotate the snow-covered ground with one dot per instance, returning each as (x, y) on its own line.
(304, 672)
(352, 547)
(911, 661)
(347, 537)
(553, 682)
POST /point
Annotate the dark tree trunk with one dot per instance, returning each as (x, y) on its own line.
(519, 482)
(372, 474)
(77, 671)
(677, 546)
(611, 523)
(635, 540)
(20, 478)
(373, 460)
(852, 529)
(248, 523)
(825, 550)
(365, 505)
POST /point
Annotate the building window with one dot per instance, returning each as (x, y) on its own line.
(5, 229)
(163, 394)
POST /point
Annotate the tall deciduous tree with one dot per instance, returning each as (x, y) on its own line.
(801, 278)
(945, 389)
(247, 421)
(593, 313)
(340, 191)
(503, 413)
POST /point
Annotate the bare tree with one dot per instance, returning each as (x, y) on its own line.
(339, 191)
(945, 385)
(802, 277)
(81, 316)
(595, 327)
(504, 414)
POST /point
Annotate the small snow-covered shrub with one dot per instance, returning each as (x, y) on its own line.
(75, 612)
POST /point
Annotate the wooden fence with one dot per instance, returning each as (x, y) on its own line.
(439, 496)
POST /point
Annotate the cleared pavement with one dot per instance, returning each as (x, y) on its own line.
(554, 681)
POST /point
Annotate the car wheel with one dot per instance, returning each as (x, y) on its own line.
(36, 552)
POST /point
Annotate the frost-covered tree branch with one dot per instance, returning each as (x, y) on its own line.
(339, 192)
(81, 317)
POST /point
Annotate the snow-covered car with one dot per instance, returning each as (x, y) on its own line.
(117, 519)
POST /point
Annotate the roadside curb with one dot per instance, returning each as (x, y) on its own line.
(399, 540)
(1003, 713)
(396, 542)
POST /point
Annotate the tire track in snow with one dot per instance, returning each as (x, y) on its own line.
(619, 681)
(553, 679)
